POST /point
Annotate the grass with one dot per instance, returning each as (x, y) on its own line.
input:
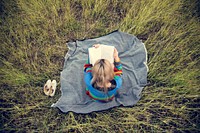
(32, 39)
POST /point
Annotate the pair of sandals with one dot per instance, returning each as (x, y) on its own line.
(50, 87)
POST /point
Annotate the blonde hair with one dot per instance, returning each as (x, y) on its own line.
(102, 73)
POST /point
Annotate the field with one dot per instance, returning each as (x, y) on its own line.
(33, 45)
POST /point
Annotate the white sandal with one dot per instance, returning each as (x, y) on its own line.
(53, 88)
(47, 87)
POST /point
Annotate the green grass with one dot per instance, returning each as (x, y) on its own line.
(32, 39)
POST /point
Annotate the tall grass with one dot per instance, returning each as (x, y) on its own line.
(32, 39)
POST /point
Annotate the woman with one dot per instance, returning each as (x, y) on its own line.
(104, 78)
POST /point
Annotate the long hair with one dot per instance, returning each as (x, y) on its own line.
(102, 73)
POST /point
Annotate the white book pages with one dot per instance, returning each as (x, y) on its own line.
(102, 52)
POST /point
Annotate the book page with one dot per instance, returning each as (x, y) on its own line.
(102, 52)
(94, 55)
(107, 53)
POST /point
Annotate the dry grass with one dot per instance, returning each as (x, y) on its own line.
(33, 36)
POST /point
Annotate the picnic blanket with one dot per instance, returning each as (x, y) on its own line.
(133, 55)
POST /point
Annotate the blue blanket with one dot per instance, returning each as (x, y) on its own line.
(133, 56)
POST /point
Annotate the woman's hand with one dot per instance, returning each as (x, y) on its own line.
(96, 45)
(116, 57)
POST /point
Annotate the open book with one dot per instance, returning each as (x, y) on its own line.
(102, 52)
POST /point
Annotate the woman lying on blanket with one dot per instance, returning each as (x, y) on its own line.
(104, 78)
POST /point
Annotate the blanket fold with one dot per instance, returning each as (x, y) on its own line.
(133, 55)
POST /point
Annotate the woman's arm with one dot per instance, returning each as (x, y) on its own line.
(117, 64)
(87, 73)
(87, 67)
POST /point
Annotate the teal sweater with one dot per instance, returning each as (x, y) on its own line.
(97, 94)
